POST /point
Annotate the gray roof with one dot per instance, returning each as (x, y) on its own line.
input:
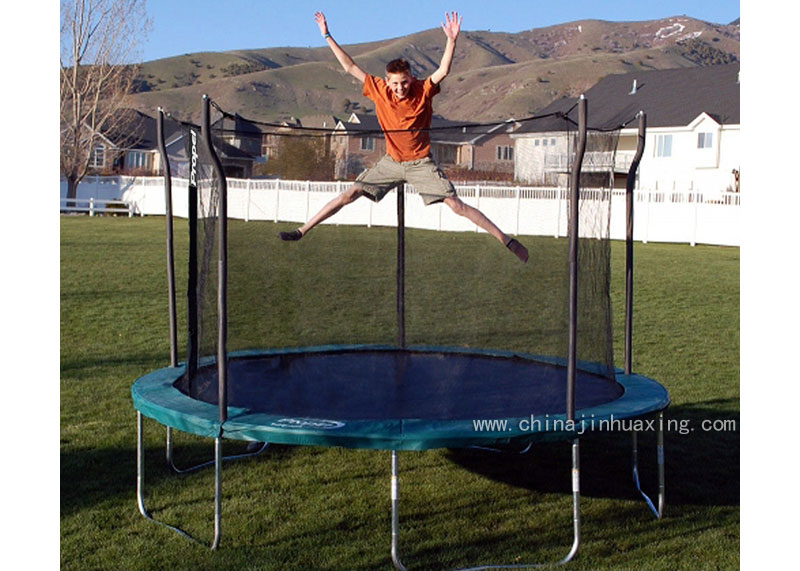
(670, 98)
(366, 123)
(224, 149)
(465, 132)
(238, 125)
(228, 151)
(132, 129)
(454, 132)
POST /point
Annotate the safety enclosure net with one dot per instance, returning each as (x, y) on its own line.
(361, 279)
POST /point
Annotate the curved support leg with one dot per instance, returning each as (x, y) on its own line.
(504, 450)
(140, 466)
(140, 480)
(218, 458)
(576, 518)
(576, 503)
(657, 511)
(175, 468)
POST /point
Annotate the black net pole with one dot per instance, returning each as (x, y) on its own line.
(574, 203)
(173, 330)
(222, 288)
(630, 183)
(193, 349)
(401, 267)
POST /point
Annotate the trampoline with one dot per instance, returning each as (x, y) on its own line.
(396, 395)
(391, 399)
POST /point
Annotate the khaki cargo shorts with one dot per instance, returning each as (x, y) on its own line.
(426, 177)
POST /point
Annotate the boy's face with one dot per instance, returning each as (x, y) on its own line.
(399, 83)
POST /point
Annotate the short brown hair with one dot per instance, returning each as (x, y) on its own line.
(398, 66)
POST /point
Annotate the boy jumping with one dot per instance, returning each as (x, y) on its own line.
(404, 106)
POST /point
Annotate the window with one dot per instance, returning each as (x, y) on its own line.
(136, 160)
(367, 144)
(663, 146)
(544, 142)
(98, 156)
(705, 140)
(505, 153)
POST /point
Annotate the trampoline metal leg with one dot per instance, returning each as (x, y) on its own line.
(576, 502)
(140, 466)
(657, 511)
(576, 518)
(218, 458)
(140, 479)
(217, 492)
(395, 515)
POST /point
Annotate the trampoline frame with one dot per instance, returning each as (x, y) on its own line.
(572, 365)
(162, 395)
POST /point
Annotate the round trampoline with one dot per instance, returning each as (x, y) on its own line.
(382, 397)
(469, 351)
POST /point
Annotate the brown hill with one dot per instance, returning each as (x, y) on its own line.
(495, 75)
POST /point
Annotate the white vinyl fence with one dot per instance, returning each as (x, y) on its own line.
(660, 216)
(93, 206)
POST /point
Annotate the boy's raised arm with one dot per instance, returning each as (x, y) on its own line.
(451, 28)
(347, 62)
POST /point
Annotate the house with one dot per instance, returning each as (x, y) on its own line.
(357, 144)
(272, 137)
(238, 143)
(322, 124)
(319, 126)
(126, 144)
(235, 162)
(693, 130)
(474, 147)
(239, 132)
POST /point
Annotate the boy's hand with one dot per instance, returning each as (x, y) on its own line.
(321, 22)
(453, 25)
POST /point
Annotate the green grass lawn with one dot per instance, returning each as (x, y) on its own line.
(327, 508)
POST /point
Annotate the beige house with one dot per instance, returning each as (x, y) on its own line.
(271, 140)
(485, 149)
(357, 144)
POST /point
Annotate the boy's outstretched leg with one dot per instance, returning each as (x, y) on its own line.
(477, 217)
(331, 208)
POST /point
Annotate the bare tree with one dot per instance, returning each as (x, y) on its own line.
(301, 159)
(99, 40)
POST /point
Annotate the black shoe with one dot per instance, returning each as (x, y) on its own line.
(518, 249)
(292, 236)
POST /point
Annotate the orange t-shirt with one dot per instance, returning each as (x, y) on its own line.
(412, 112)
